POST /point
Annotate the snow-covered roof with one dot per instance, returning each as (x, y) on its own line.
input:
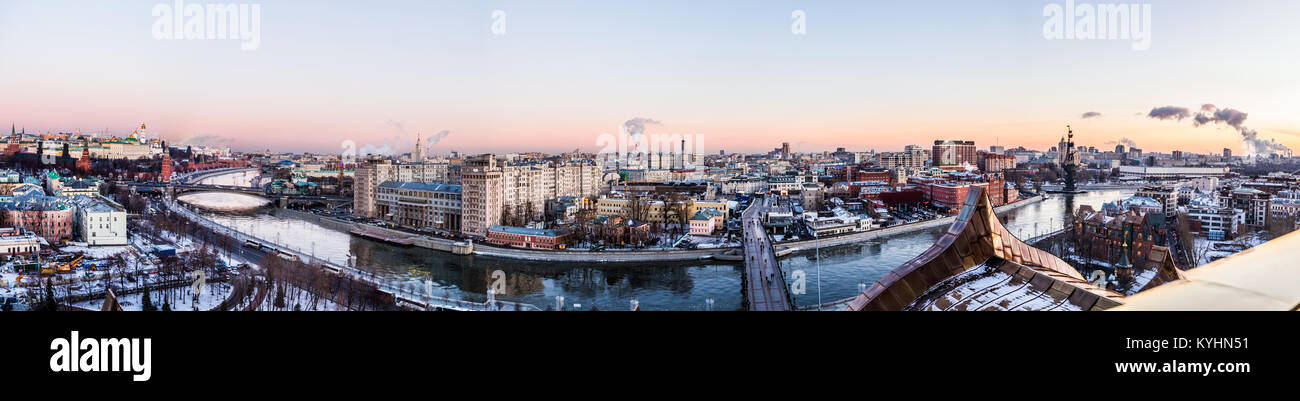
(1141, 201)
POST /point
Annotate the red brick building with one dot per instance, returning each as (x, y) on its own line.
(951, 195)
(46, 216)
(902, 197)
(949, 191)
(874, 174)
(523, 237)
(1102, 236)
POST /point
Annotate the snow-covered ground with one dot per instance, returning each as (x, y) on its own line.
(8, 287)
(712, 242)
(1210, 251)
(88, 282)
(8, 279)
(182, 300)
(98, 252)
(300, 298)
(183, 243)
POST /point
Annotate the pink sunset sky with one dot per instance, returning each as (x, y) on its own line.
(866, 75)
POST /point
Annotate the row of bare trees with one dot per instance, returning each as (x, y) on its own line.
(523, 214)
(295, 285)
(674, 220)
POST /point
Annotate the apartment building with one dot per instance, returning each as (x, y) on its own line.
(1167, 196)
(1217, 222)
(1253, 202)
(489, 191)
(481, 199)
(420, 205)
(376, 171)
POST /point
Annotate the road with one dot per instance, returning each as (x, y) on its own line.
(765, 288)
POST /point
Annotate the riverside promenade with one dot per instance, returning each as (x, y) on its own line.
(660, 255)
(403, 297)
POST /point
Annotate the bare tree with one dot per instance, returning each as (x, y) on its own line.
(679, 209)
(507, 217)
(528, 214)
(1201, 253)
(1183, 230)
(638, 209)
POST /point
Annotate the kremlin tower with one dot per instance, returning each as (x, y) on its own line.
(166, 174)
(83, 164)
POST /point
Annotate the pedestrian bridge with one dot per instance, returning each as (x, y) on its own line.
(765, 287)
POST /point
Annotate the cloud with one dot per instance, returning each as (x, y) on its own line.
(1227, 116)
(1169, 112)
(1211, 114)
(636, 126)
(433, 140)
(386, 146)
(1091, 114)
(372, 149)
(400, 142)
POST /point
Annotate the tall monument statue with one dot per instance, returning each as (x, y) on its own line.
(1070, 162)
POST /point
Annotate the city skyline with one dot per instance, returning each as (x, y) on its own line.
(206, 175)
(564, 74)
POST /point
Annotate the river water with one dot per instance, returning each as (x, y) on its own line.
(657, 286)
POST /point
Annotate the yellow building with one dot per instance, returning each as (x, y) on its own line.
(719, 206)
(654, 210)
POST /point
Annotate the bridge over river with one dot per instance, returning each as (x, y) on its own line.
(765, 288)
(190, 185)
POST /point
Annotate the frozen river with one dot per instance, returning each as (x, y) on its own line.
(676, 286)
